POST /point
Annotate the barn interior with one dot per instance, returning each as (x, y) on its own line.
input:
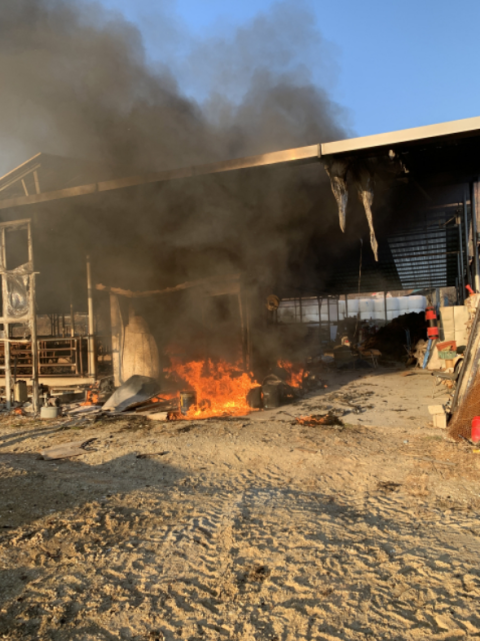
(197, 261)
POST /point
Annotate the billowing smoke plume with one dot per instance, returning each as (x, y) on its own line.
(77, 81)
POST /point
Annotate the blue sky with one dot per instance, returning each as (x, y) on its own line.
(392, 63)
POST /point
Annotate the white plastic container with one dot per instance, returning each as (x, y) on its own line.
(393, 308)
(379, 309)
(403, 305)
(324, 315)
(333, 310)
(352, 307)
(417, 304)
(309, 310)
(366, 307)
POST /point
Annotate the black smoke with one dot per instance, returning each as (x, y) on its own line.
(78, 81)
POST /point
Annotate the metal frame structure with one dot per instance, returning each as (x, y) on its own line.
(56, 357)
(29, 318)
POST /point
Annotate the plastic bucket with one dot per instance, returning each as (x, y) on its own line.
(476, 429)
(48, 411)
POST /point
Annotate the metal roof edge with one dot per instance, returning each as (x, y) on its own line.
(449, 128)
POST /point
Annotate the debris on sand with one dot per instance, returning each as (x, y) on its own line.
(319, 419)
(66, 450)
(135, 391)
(388, 486)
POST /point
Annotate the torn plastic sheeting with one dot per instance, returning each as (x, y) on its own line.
(17, 299)
(365, 192)
(363, 177)
(337, 172)
(135, 390)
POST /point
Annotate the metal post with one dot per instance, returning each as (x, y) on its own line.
(385, 306)
(33, 326)
(328, 312)
(6, 327)
(72, 321)
(242, 327)
(346, 306)
(460, 259)
(247, 327)
(116, 323)
(91, 338)
(473, 201)
(465, 230)
(301, 308)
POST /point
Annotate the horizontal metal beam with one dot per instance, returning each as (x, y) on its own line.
(297, 156)
(392, 138)
(56, 381)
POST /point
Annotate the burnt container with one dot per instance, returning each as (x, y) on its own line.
(272, 395)
(187, 401)
(254, 397)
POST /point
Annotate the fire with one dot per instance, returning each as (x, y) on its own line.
(221, 387)
(295, 373)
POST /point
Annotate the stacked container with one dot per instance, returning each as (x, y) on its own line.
(366, 308)
(352, 307)
(393, 308)
(417, 304)
(379, 309)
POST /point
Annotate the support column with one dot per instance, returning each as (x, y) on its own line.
(91, 329)
(33, 327)
(6, 327)
(460, 261)
(248, 331)
(329, 325)
(473, 201)
(465, 230)
(117, 333)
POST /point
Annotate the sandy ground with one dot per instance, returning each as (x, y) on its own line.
(252, 528)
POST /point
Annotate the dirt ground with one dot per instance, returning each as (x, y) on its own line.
(249, 528)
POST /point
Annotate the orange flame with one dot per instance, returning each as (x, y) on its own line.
(221, 387)
(295, 373)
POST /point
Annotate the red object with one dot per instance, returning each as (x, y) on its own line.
(431, 318)
(469, 290)
(450, 345)
(476, 429)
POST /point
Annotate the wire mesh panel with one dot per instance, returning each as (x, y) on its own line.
(425, 252)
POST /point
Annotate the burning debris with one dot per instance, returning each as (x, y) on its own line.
(217, 388)
(316, 420)
(296, 373)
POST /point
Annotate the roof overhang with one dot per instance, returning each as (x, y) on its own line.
(441, 132)
(367, 145)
